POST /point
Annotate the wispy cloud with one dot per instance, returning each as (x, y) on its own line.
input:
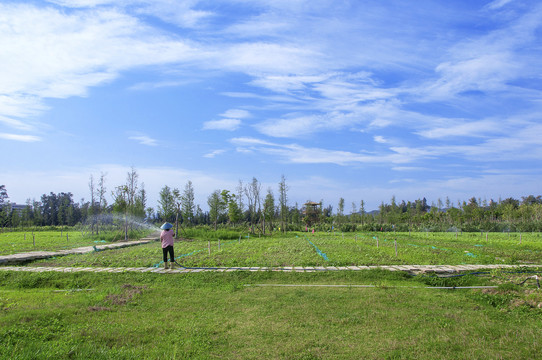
(236, 114)
(21, 138)
(214, 153)
(297, 154)
(224, 124)
(64, 54)
(144, 140)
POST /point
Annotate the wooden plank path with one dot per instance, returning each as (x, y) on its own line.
(438, 269)
(36, 255)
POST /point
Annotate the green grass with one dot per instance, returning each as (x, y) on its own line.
(294, 249)
(215, 316)
(51, 240)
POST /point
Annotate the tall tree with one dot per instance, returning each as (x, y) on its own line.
(177, 198)
(269, 209)
(3, 195)
(120, 205)
(4, 206)
(92, 208)
(166, 204)
(283, 202)
(102, 201)
(216, 207)
(340, 211)
(188, 206)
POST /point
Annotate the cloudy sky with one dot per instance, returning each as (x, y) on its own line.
(360, 99)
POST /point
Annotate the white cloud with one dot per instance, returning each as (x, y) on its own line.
(214, 153)
(60, 54)
(180, 13)
(224, 124)
(235, 114)
(380, 139)
(144, 140)
(22, 138)
(297, 154)
(465, 129)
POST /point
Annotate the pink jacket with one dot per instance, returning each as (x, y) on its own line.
(167, 238)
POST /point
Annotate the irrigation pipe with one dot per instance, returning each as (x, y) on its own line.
(372, 286)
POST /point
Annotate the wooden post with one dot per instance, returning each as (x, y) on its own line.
(377, 242)
(67, 238)
(395, 248)
(209, 247)
(218, 244)
(239, 239)
(34, 239)
(486, 237)
(520, 238)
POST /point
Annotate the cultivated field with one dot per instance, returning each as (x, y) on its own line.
(253, 315)
(51, 240)
(325, 249)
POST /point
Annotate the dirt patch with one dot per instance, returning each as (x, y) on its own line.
(128, 293)
(98, 308)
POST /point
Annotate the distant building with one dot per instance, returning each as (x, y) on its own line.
(14, 207)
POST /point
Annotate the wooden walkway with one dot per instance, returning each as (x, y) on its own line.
(415, 269)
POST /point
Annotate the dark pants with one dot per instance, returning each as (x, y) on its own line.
(168, 249)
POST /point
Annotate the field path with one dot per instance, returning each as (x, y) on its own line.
(438, 269)
(36, 255)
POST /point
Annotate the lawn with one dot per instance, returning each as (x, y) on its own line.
(217, 316)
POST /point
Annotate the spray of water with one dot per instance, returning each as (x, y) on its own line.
(116, 222)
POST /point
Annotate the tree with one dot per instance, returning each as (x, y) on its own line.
(269, 209)
(92, 208)
(3, 195)
(362, 210)
(188, 202)
(102, 201)
(252, 192)
(216, 206)
(120, 205)
(230, 202)
(4, 208)
(283, 202)
(166, 204)
(177, 198)
(240, 191)
(340, 210)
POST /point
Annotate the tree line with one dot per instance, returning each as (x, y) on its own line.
(249, 207)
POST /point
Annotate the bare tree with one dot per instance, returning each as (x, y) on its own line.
(92, 207)
(252, 192)
(283, 202)
(102, 202)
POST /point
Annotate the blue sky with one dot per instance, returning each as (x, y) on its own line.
(357, 99)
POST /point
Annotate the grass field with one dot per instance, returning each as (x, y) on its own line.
(299, 249)
(216, 316)
(228, 316)
(50, 240)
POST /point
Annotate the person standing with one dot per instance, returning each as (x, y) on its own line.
(166, 238)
